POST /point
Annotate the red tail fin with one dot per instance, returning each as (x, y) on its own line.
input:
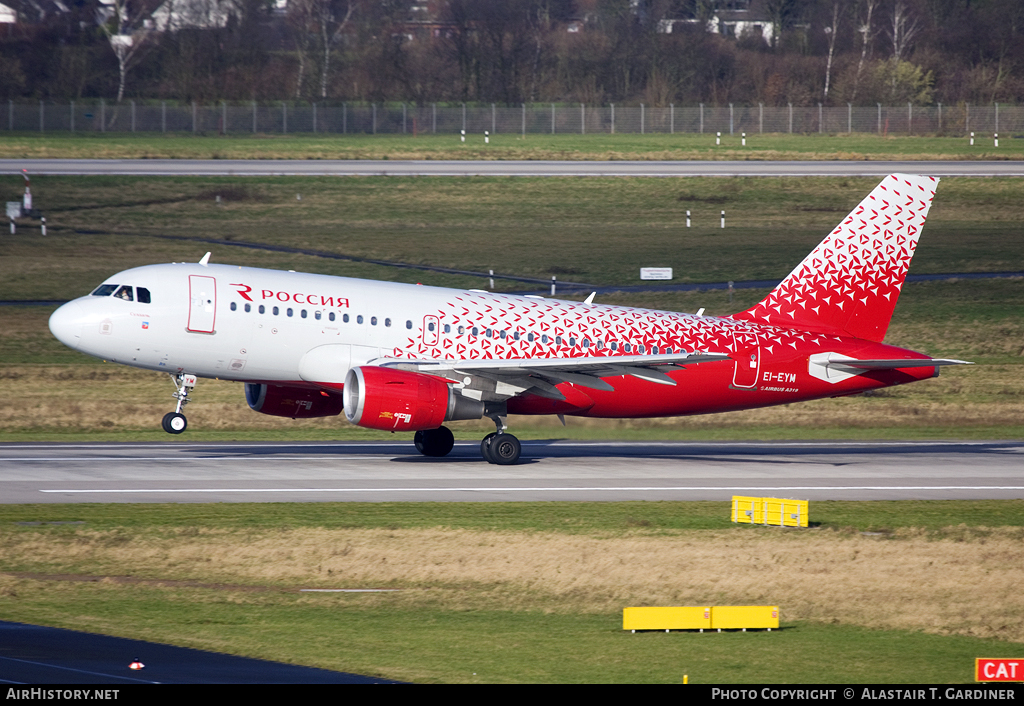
(849, 284)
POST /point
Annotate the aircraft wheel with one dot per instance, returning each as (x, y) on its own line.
(434, 442)
(174, 423)
(485, 447)
(505, 449)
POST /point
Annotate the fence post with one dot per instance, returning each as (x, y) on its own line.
(463, 118)
(702, 118)
(314, 118)
(879, 118)
(163, 116)
(72, 116)
(790, 118)
(10, 115)
(672, 118)
(494, 124)
(910, 118)
(613, 118)
(642, 119)
(433, 118)
(133, 116)
(849, 118)
(552, 118)
(103, 115)
(940, 117)
(374, 118)
(760, 118)
(583, 121)
(344, 118)
(284, 116)
(41, 129)
(193, 117)
(524, 119)
(997, 117)
(967, 126)
(821, 126)
(730, 119)
(223, 117)
(403, 118)
(254, 117)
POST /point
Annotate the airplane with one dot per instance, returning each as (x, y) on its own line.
(408, 358)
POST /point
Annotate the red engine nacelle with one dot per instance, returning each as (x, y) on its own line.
(294, 402)
(399, 400)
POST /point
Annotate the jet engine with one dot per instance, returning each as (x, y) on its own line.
(399, 400)
(294, 402)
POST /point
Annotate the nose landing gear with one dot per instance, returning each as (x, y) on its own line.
(175, 422)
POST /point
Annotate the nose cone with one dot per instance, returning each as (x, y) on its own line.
(66, 324)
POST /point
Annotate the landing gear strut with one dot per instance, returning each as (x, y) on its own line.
(175, 422)
(500, 448)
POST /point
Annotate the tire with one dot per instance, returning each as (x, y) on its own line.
(174, 423)
(505, 449)
(434, 442)
(485, 447)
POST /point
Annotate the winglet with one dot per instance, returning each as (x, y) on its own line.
(590, 299)
(206, 260)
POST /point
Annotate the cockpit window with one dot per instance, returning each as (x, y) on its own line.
(125, 293)
(143, 295)
(104, 290)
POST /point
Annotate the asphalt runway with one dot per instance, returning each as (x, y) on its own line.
(30, 654)
(343, 167)
(549, 470)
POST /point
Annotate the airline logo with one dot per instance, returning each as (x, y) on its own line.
(247, 292)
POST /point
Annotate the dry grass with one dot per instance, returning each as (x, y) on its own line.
(964, 582)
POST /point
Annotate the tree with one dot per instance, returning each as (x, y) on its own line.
(128, 27)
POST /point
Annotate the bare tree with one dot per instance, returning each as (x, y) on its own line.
(867, 33)
(128, 27)
(831, 31)
(903, 29)
(331, 17)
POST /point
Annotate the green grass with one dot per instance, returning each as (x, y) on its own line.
(563, 517)
(599, 231)
(434, 645)
(858, 146)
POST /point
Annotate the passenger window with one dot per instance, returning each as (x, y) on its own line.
(476, 331)
(289, 312)
(302, 313)
(125, 293)
(430, 326)
(142, 294)
(626, 347)
(408, 324)
(104, 290)
(317, 315)
(572, 342)
(330, 316)
(275, 311)
(248, 308)
(263, 309)
(529, 337)
(359, 319)
(344, 318)
(234, 306)
(544, 338)
(447, 328)
(387, 323)
(462, 330)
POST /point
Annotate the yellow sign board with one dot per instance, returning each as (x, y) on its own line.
(769, 511)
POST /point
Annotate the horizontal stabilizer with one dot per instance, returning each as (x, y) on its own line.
(834, 367)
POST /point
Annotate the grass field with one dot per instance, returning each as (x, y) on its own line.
(532, 592)
(858, 146)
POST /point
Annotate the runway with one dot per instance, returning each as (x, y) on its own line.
(549, 470)
(534, 168)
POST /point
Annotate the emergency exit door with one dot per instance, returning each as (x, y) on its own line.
(202, 312)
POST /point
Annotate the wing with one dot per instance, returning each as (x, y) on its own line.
(500, 379)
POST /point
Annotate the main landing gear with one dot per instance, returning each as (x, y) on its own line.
(497, 447)
(175, 422)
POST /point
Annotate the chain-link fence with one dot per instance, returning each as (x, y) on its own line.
(535, 118)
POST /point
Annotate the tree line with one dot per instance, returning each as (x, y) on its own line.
(655, 52)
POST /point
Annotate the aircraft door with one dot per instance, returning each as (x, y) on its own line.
(202, 313)
(747, 360)
(431, 325)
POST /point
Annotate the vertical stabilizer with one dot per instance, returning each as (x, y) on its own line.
(849, 284)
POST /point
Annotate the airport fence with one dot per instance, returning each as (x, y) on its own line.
(552, 118)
